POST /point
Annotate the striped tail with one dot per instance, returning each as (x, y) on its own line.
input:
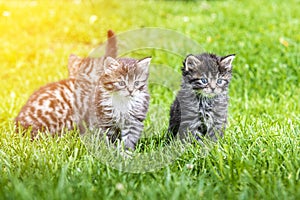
(111, 45)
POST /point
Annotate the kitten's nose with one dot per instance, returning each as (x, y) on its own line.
(130, 91)
(213, 86)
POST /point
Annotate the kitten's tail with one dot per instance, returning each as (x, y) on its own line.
(111, 45)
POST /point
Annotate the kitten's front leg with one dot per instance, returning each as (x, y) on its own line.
(131, 132)
(198, 129)
(216, 132)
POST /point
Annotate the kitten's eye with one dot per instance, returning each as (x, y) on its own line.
(136, 83)
(204, 81)
(220, 81)
(122, 83)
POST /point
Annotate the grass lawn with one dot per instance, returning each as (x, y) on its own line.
(259, 157)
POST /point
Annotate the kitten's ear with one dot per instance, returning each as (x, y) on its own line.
(143, 66)
(226, 61)
(73, 65)
(110, 64)
(191, 62)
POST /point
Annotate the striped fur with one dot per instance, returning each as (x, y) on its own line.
(62, 105)
(49, 108)
(200, 107)
(122, 99)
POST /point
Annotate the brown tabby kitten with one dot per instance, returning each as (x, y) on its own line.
(50, 107)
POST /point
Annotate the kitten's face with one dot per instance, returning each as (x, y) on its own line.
(208, 74)
(126, 77)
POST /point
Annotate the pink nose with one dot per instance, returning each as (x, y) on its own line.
(130, 91)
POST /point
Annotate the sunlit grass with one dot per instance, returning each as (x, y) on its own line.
(259, 155)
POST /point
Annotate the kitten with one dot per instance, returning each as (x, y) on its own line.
(200, 107)
(122, 98)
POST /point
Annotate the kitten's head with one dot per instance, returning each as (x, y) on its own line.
(208, 74)
(125, 76)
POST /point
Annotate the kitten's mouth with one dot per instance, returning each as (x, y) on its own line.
(209, 95)
(129, 95)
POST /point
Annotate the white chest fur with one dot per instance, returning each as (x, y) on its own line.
(121, 105)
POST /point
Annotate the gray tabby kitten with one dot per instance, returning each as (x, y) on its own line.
(200, 107)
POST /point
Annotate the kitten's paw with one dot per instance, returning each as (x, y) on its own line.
(127, 154)
(123, 151)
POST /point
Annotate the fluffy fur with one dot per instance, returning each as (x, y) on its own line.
(122, 98)
(200, 107)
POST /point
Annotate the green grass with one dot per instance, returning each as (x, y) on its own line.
(259, 155)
